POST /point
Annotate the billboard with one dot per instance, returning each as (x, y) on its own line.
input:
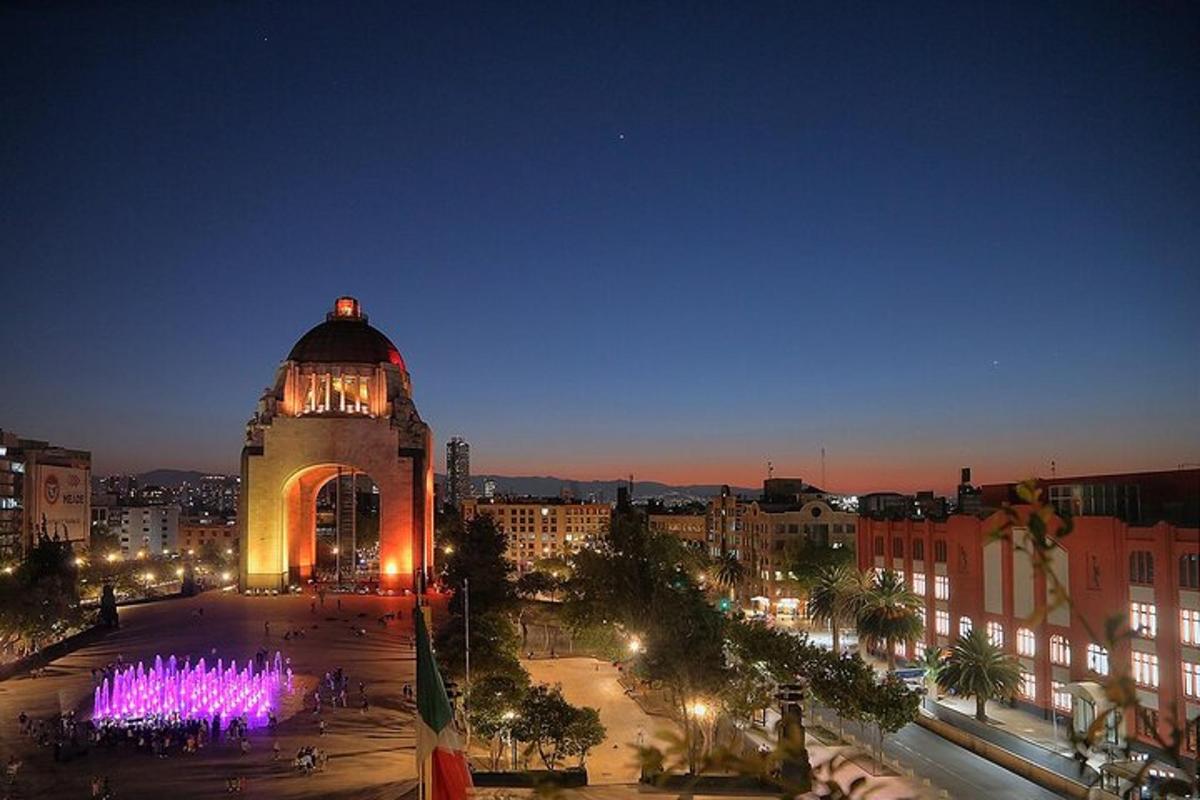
(62, 503)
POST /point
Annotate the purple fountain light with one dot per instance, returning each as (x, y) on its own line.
(168, 690)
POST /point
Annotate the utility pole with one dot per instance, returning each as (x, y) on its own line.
(467, 651)
(824, 487)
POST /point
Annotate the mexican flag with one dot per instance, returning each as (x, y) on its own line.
(439, 751)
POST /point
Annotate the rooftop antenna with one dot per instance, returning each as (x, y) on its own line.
(1053, 468)
(770, 470)
(824, 488)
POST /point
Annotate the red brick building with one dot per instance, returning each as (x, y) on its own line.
(1119, 563)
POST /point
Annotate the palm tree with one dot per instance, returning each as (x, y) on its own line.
(889, 614)
(834, 598)
(933, 662)
(729, 571)
(977, 668)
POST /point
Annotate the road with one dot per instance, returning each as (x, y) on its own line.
(960, 772)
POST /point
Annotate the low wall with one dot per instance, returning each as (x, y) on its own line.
(563, 779)
(1043, 777)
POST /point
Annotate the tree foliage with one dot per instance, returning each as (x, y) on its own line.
(977, 668)
(889, 614)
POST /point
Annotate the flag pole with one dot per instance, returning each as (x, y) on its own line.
(467, 650)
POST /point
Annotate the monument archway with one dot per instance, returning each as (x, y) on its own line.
(341, 400)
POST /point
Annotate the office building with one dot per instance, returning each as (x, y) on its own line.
(147, 530)
(458, 471)
(542, 528)
(45, 490)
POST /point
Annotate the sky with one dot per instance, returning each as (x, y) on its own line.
(674, 240)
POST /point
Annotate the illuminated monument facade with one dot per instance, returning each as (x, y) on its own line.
(342, 401)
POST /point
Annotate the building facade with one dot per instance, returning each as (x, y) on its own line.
(771, 534)
(341, 402)
(458, 471)
(542, 528)
(1147, 573)
(197, 531)
(44, 490)
(691, 529)
(146, 530)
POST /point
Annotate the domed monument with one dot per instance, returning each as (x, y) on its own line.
(341, 403)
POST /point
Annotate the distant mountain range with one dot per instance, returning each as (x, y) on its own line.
(531, 485)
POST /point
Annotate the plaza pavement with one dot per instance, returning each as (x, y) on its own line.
(370, 756)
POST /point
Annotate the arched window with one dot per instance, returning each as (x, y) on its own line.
(1189, 571)
(1060, 650)
(1141, 567)
(1026, 642)
(964, 626)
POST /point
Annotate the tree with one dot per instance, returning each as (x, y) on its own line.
(977, 668)
(584, 732)
(890, 705)
(544, 722)
(844, 683)
(494, 646)
(535, 583)
(834, 599)
(889, 614)
(933, 661)
(478, 556)
(494, 702)
(729, 572)
(808, 560)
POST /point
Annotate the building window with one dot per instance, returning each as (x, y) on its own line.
(878, 545)
(995, 633)
(919, 583)
(964, 626)
(921, 615)
(1026, 643)
(897, 547)
(1060, 650)
(1141, 567)
(1097, 659)
(918, 549)
(1143, 619)
(1147, 723)
(942, 620)
(919, 650)
(939, 551)
(1191, 679)
(1193, 735)
(1061, 697)
(941, 587)
(1189, 571)
(1189, 626)
(1028, 687)
(1145, 669)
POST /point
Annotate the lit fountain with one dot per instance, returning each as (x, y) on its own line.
(189, 691)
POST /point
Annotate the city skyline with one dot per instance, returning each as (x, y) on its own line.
(678, 245)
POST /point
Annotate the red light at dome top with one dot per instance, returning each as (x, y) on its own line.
(346, 307)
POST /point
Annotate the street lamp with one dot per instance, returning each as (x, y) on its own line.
(179, 572)
(635, 645)
(508, 717)
(111, 557)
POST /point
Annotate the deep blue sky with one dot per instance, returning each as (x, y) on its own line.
(676, 240)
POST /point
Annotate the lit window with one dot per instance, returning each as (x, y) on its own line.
(1028, 686)
(1026, 643)
(941, 587)
(1189, 626)
(1145, 669)
(1143, 619)
(900, 575)
(964, 626)
(942, 620)
(1062, 698)
(1191, 679)
(1097, 659)
(1060, 650)
(995, 633)
(919, 650)
(921, 614)
(919, 583)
